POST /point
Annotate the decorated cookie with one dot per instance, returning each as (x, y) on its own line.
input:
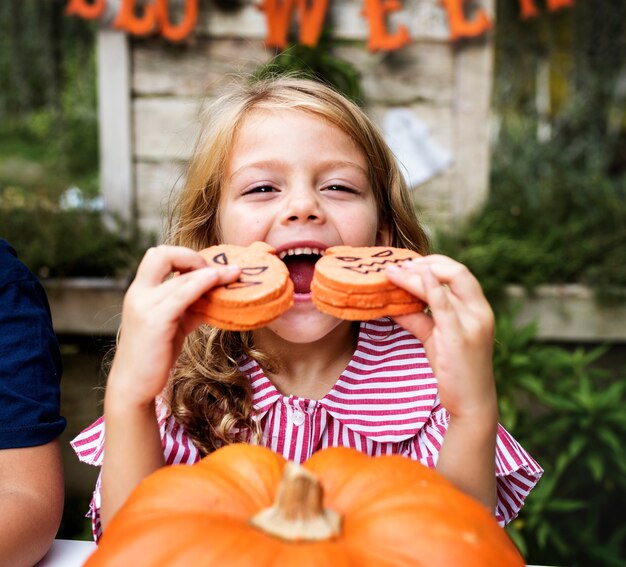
(262, 293)
(351, 283)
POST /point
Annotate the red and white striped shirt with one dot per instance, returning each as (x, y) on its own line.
(385, 402)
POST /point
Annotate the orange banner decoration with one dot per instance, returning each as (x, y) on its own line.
(278, 15)
(311, 14)
(85, 9)
(554, 5)
(529, 10)
(379, 38)
(137, 25)
(460, 26)
(177, 32)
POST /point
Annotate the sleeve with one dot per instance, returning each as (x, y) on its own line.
(30, 366)
(516, 471)
(89, 448)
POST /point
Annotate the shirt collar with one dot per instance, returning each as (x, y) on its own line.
(386, 393)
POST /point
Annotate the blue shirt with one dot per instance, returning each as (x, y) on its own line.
(30, 360)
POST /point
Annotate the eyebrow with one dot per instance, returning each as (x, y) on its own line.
(274, 163)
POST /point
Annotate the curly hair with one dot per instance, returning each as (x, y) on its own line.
(207, 392)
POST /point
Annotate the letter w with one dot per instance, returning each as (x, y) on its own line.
(278, 13)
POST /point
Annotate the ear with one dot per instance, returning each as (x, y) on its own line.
(383, 236)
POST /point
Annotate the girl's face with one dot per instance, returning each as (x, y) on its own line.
(299, 183)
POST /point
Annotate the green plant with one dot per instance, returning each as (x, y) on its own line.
(318, 63)
(569, 413)
(554, 215)
(72, 242)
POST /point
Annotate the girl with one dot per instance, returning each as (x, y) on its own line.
(292, 163)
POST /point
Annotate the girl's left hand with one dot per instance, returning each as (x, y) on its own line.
(458, 334)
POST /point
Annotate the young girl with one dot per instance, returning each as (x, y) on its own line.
(292, 163)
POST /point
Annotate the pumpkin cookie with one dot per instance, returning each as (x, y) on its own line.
(262, 293)
(350, 283)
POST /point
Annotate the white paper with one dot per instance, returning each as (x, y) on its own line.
(419, 156)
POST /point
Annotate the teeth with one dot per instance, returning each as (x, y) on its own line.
(299, 251)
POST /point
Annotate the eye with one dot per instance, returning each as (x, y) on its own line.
(337, 187)
(260, 189)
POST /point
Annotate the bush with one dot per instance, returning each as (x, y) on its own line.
(554, 215)
(72, 242)
(569, 414)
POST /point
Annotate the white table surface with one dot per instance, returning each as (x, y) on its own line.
(67, 553)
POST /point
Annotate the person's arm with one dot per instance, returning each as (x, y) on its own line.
(155, 321)
(31, 502)
(467, 456)
(458, 337)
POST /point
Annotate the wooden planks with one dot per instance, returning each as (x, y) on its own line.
(446, 86)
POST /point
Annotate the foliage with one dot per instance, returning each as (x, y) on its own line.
(318, 63)
(49, 148)
(553, 215)
(57, 241)
(48, 101)
(568, 412)
(556, 212)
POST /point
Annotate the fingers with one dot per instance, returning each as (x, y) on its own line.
(181, 291)
(151, 290)
(451, 291)
(160, 261)
(459, 282)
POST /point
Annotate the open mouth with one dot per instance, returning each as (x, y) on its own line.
(301, 263)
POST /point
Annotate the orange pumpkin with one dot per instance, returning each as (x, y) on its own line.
(233, 509)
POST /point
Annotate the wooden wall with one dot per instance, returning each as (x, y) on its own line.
(154, 91)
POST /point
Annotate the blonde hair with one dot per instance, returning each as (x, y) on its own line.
(207, 393)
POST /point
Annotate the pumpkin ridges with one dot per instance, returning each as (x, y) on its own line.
(392, 506)
(222, 493)
(229, 480)
(142, 534)
(351, 485)
(356, 492)
(315, 554)
(475, 545)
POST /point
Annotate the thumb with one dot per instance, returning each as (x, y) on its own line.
(420, 325)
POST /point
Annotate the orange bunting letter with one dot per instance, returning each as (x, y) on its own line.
(460, 26)
(311, 14)
(137, 25)
(184, 28)
(379, 38)
(554, 5)
(528, 9)
(85, 9)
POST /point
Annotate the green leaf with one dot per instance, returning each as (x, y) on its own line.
(559, 505)
(612, 441)
(595, 465)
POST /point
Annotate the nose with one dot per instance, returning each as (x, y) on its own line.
(303, 205)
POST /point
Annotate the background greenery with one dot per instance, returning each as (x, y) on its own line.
(49, 145)
(557, 205)
(556, 213)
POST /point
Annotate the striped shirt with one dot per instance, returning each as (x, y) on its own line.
(385, 402)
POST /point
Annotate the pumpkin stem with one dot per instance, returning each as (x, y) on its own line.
(298, 512)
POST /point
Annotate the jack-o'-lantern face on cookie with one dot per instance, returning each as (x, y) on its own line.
(262, 292)
(361, 268)
(351, 283)
(263, 276)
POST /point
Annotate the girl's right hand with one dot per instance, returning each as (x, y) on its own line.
(156, 320)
